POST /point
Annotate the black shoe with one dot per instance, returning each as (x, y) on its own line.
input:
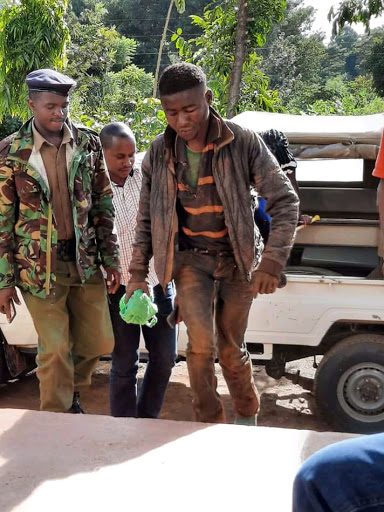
(76, 405)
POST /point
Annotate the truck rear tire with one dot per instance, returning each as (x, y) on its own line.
(349, 384)
(275, 367)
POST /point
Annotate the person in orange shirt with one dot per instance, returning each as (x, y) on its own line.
(379, 173)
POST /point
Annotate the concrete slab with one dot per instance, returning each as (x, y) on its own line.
(65, 462)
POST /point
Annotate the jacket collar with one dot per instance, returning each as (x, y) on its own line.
(219, 135)
(23, 143)
(38, 139)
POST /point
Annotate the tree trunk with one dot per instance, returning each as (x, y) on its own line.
(159, 55)
(239, 57)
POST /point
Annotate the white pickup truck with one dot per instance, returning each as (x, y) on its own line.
(328, 308)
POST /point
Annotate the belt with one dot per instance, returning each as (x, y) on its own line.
(66, 249)
(213, 252)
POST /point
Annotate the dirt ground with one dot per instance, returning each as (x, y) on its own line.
(286, 403)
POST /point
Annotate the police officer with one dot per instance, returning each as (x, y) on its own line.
(57, 219)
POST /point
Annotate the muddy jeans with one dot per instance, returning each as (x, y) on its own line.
(211, 291)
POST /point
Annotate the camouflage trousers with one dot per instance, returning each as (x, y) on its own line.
(74, 330)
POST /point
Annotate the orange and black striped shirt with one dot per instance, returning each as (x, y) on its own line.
(199, 207)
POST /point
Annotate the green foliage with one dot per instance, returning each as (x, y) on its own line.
(109, 87)
(130, 82)
(93, 46)
(255, 93)
(342, 55)
(310, 75)
(144, 115)
(147, 120)
(115, 91)
(33, 35)
(375, 62)
(180, 5)
(293, 57)
(125, 50)
(9, 125)
(122, 97)
(356, 97)
(303, 96)
(144, 21)
(355, 11)
(214, 50)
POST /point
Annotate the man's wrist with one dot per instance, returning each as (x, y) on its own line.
(270, 267)
(138, 276)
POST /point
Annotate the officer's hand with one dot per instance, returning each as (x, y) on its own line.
(113, 279)
(7, 296)
(263, 283)
(132, 287)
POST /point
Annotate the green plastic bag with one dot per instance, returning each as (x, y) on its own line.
(139, 309)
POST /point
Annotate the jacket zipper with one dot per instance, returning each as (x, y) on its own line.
(72, 169)
(48, 253)
(231, 221)
(172, 223)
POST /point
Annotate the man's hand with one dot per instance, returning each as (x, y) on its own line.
(113, 279)
(132, 287)
(305, 219)
(7, 296)
(263, 283)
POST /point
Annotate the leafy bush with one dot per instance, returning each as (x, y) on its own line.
(349, 98)
(147, 119)
(33, 35)
(144, 116)
(9, 125)
(125, 50)
(123, 87)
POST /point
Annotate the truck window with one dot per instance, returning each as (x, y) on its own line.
(329, 170)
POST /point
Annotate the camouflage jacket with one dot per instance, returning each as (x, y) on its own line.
(28, 234)
(240, 160)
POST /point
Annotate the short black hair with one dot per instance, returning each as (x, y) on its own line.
(180, 77)
(34, 94)
(115, 129)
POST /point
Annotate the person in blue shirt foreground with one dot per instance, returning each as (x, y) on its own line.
(344, 477)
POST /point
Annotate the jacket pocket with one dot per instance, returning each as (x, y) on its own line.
(89, 236)
(27, 260)
(29, 193)
(88, 246)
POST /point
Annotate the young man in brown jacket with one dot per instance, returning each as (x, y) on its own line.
(196, 219)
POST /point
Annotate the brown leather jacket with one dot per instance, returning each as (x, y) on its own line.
(240, 160)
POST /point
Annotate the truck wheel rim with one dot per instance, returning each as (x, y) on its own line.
(360, 392)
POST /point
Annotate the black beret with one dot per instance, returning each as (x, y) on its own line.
(49, 80)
